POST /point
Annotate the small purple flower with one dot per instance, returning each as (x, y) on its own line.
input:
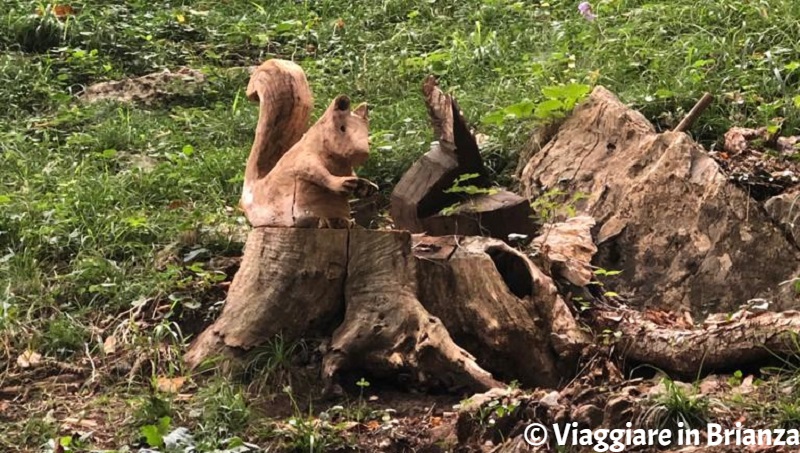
(585, 9)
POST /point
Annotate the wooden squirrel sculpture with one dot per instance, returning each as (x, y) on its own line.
(309, 185)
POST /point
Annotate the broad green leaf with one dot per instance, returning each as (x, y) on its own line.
(546, 109)
(662, 93)
(494, 118)
(152, 436)
(572, 91)
(576, 90)
(163, 424)
(521, 109)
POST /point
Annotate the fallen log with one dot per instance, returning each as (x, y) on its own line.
(751, 340)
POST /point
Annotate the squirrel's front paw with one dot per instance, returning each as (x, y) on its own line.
(346, 185)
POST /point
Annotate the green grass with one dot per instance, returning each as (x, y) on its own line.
(83, 221)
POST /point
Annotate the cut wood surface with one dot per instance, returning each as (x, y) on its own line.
(421, 194)
(284, 110)
(496, 215)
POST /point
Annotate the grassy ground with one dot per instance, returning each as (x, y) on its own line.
(100, 205)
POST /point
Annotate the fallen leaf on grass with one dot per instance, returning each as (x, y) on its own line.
(29, 359)
(183, 397)
(170, 385)
(60, 11)
(83, 423)
(110, 345)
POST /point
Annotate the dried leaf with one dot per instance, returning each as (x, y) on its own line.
(29, 359)
(60, 11)
(170, 385)
(63, 10)
(110, 345)
(83, 423)
(183, 397)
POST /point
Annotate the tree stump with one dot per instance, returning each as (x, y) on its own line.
(450, 312)
(422, 192)
(386, 330)
(683, 236)
(499, 306)
(301, 283)
(289, 283)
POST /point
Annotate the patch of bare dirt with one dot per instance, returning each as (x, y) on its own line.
(146, 89)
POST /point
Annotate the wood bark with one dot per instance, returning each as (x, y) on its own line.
(500, 307)
(683, 236)
(290, 283)
(386, 331)
(296, 283)
(751, 340)
(454, 313)
(421, 194)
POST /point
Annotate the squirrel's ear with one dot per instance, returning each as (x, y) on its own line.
(361, 110)
(341, 103)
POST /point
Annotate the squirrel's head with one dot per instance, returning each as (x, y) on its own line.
(346, 131)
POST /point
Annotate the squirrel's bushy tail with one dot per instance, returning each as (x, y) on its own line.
(285, 103)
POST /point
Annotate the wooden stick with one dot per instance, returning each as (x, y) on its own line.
(695, 112)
